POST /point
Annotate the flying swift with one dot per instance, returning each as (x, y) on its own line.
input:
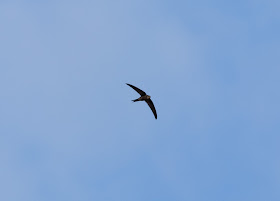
(144, 97)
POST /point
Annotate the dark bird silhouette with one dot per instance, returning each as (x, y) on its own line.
(144, 97)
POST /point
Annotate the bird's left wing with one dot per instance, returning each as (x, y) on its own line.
(151, 105)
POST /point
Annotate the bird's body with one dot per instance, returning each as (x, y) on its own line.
(144, 97)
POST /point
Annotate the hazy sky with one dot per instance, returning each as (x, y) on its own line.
(68, 128)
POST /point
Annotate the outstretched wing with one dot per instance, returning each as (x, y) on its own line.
(151, 105)
(142, 93)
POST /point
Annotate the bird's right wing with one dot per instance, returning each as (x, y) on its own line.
(151, 105)
(142, 93)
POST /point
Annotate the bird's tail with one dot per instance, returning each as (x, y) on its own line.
(135, 100)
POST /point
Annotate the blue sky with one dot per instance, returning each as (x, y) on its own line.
(70, 132)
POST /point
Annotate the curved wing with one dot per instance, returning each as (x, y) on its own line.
(142, 93)
(151, 105)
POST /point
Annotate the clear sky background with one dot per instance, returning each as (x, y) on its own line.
(68, 128)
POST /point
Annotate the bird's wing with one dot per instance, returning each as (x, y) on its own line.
(142, 93)
(151, 105)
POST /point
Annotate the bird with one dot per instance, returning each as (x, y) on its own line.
(144, 97)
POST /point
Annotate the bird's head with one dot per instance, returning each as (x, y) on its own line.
(148, 96)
